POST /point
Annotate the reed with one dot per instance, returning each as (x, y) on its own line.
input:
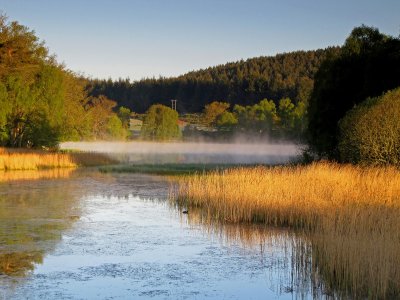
(6, 176)
(23, 159)
(351, 215)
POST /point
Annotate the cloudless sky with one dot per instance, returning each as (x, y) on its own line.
(146, 38)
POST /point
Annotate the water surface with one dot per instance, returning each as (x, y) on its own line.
(85, 235)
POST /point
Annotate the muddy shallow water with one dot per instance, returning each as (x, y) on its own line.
(85, 235)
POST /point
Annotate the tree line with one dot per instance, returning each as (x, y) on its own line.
(289, 75)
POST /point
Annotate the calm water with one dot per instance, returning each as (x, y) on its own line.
(84, 235)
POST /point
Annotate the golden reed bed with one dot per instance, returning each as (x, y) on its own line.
(350, 214)
(22, 159)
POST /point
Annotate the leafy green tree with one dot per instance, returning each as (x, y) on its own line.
(160, 123)
(29, 106)
(76, 120)
(286, 113)
(124, 115)
(20, 50)
(104, 122)
(300, 119)
(226, 121)
(115, 128)
(259, 117)
(213, 110)
(367, 66)
(41, 103)
(265, 114)
(5, 108)
(370, 132)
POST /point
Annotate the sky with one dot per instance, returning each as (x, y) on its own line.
(150, 38)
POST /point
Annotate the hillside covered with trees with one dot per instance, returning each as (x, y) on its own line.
(288, 75)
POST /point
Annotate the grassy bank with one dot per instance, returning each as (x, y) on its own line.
(351, 215)
(169, 169)
(23, 159)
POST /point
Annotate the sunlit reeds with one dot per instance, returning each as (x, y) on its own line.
(54, 173)
(351, 215)
(17, 159)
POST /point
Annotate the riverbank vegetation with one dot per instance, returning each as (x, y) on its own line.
(367, 66)
(351, 214)
(27, 159)
(370, 132)
(169, 169)
(43, 103)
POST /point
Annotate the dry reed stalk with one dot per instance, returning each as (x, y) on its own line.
(352, 215)
(23, 159)
(6, 176)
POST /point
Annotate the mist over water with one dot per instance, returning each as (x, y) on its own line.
(153, 152)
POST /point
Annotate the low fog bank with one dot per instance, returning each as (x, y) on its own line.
(152, 152)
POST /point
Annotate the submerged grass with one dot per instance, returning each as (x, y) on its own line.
(22, 159)
(351, 215)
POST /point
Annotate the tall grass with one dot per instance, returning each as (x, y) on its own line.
(6, 176)
(22, 159)
(351, 215)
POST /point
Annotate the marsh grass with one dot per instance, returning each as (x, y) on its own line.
(350, 214)
(170, 169)
(6, 176)
(22, 159)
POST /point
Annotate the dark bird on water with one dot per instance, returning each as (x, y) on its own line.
(185, 212)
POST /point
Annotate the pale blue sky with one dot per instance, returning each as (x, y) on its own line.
(146, 38)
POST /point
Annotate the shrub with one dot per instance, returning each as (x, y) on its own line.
(370, 132)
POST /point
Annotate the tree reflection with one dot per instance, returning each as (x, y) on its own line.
(33, 215)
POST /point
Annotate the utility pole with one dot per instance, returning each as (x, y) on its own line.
(173, 104)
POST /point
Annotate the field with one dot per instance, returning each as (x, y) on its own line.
(351, 215)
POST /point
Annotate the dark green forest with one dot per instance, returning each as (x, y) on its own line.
(289, 75)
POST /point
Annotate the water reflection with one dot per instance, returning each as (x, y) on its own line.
(95, 235)
(35, 211)
(6, 176)
(33, 215)
(286, 254)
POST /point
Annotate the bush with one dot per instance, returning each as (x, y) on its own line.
(370, 132)
(160, 123)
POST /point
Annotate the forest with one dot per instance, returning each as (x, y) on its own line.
(289, 75)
